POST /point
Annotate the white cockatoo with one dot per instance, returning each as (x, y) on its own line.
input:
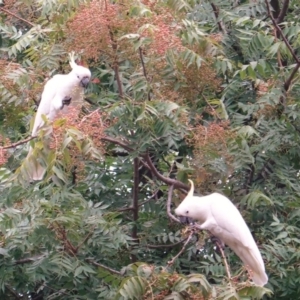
(60, 91)
(220, 217)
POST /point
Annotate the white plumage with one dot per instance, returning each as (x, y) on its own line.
(217, 214)
(60, 91)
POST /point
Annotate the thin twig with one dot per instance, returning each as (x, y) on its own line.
(198, 227)
(170, 192)
(16, 16)
(104, 267)
(150, 198)
(18, 143)
(225, 260)
(171, 262)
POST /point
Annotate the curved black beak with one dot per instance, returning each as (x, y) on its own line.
(85, 82)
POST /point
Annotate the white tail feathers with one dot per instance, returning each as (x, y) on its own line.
(252, 260)
(260, 278)
(72, 60)
(191, 191)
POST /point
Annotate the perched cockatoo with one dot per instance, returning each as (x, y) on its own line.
(218, 215)
(60, 91)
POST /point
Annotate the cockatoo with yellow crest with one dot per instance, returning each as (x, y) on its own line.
(59, 91)
(220, 217)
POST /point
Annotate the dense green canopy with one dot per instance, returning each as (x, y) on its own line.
(201, 90)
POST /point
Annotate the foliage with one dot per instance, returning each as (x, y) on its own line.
(181, 89)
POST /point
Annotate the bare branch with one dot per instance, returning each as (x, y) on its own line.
(104, 267)
(117, 142)
(27, 260)
(276, 8)
(18, 143)
(289, 80)
(170, 192)
(225, 260)
(282, 34)
(169, 181)
(283, 11)
(16, 16)
(149, 165)
(125, 209)
(216, 13)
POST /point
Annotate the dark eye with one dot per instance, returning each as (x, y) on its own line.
(77, 76)
(187, 212)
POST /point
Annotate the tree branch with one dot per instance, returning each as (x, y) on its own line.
(289, 80)
(117, 142)
(281, 33)
(216, 13)
(27, 260)
(149, 165)
(18, 143)
(16, 16)
(149, 199)
(115, 62)
(283, 11)
(104, 267)
(170, 192)
(225, 260)
(169, 181)
(276, 7)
